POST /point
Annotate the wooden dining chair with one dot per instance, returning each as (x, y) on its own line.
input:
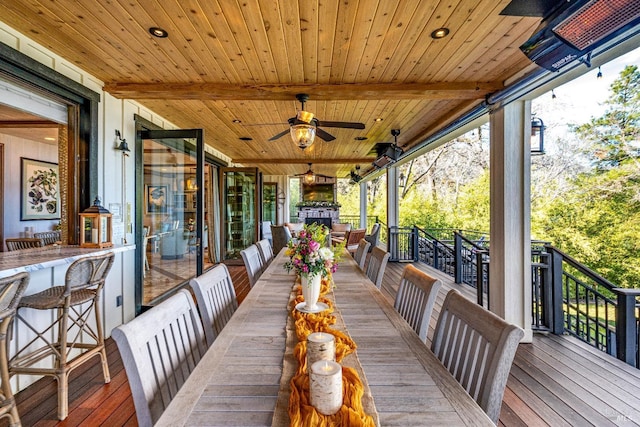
(377, 265)
(159, 349)
(17, 243)
(266, 253)
(253, 263)
(478, 348)
(281, 236)
(415, 299)
(216, 300)
(11, 290)
(353, 239)
(48, 237)
(360, 256)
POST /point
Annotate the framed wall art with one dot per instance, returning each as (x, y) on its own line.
(39, 190)
(156, 196)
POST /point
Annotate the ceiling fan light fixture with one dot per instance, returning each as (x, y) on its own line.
(304, 116)
(309, 177)
(303, 134)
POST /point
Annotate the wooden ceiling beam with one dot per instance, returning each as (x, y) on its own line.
(317, 92)
(344, 161)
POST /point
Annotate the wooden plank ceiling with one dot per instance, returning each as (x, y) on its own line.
(227, 60)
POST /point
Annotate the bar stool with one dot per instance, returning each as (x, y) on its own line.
(77, 339)
(11, 290)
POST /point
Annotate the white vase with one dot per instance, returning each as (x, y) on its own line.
(311, 291)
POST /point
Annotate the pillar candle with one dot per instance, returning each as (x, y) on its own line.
(320, 346)
(94, 236)
(325, 386)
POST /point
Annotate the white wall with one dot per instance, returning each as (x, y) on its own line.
(116, 184)
(15, 148)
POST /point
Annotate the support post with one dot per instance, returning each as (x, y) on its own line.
(554, 275)
(626, 329)
(363, 204)
(510, 266)
(457, 257)
(392, 197)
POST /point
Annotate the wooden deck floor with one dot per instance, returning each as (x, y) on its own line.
(556, 381)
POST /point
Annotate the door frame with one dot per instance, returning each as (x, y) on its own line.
(145, 130)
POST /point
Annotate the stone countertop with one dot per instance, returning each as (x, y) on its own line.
(50, 256)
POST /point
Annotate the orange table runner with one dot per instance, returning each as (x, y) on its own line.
(301, 412)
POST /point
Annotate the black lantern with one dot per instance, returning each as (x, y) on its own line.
(537, 136)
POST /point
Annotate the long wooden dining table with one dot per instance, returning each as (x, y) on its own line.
(243, 379)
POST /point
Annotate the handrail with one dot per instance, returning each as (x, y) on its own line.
(567, 296)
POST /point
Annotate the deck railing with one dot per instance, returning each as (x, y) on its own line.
(354, 220)
(567, 297)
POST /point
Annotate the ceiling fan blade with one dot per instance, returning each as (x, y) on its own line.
(280, 135)
(324, 135)
(346, 125)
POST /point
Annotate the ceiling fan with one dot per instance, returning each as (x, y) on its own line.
(304, 126)
(354, 175)
(309, 176)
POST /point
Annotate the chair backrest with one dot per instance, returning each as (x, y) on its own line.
(11, 290)
(266, 254)
(281, 236)
(88, 272)
(478, 348)
(353, 238)
(253, 263)
(415, 299)
(14, 244)
(294, 227)
(48, 237)
(266, 230)
(216, 300)
(377, 264)
(159, 349)
(361, 253)
(374, 237)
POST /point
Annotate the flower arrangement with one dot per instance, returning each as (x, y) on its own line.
(308, 255)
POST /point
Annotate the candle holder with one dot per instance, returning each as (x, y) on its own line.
(325, 386)
(320, 346)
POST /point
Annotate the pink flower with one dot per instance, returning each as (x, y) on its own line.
(314, 246)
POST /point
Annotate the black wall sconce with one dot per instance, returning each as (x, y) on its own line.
(537, 136)
(123, 144)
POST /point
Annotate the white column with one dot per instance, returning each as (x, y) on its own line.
(363, 205)
(510, 177)
(392, 197)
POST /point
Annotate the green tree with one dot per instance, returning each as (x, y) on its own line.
(597, 219)
(615, 136)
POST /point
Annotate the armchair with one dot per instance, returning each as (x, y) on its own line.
(374, 237)
(173, 244)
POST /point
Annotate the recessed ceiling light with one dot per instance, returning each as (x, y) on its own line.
(440, 33)
(158, 32)
(246, 138)
(49, 138)
(378, 119)
(360, 138)
(236, 121)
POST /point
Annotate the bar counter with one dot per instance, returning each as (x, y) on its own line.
(31, 260)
